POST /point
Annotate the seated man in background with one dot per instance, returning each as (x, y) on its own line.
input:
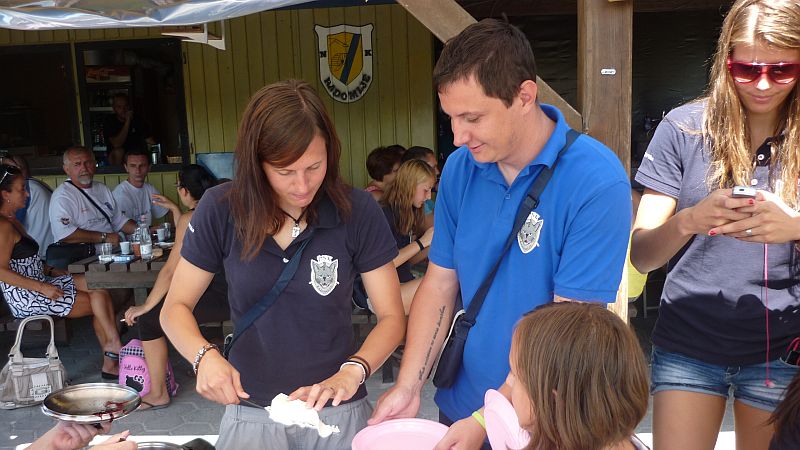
(134, 197)
(34, 216)
(83, 210)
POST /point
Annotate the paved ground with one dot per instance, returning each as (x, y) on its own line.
(190, 415)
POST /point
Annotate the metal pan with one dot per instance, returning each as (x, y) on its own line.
(91, 403)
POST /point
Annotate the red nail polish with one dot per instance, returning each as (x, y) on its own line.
(712, 233)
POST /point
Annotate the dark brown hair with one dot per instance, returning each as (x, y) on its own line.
(277, 127)
(786, 417)
(495, 52)
(585, 375)
(381, 161)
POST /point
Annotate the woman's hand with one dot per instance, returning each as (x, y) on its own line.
(134, 312)
(341, 386)
(68, 436)
(164, 202)
(427, 237)
(718, 209)
(50, 291)
(768, 220)
(117, 442)
(218, 381)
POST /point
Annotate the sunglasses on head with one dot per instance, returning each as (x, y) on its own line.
(747, 72)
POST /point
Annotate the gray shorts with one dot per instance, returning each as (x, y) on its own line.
(243, 427)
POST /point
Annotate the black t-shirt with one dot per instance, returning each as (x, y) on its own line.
(402, 240)
(307, 334)
(713, 304)
(137, 132)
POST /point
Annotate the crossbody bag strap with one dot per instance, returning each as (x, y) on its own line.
(267, 300)
(93, 203)
(530, 203)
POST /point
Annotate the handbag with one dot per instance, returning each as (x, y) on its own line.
(451, 356)
(60, 254)
(266, 301)
(27, 381)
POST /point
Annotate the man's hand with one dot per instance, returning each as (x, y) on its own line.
(112, 238)
(465, 434)
(396, 403)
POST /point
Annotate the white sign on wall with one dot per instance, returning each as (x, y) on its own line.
(345, 60)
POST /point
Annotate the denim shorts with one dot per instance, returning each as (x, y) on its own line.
(677, 372)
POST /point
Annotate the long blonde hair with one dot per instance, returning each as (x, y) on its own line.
(399, 195)
(775, 23)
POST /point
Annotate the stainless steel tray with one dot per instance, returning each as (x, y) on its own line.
(91, 403)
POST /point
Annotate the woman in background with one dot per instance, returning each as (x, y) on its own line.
(193, 181)
(402, 204)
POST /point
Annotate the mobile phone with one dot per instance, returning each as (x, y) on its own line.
(744, 192)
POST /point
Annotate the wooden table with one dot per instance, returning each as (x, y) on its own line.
(138, 274)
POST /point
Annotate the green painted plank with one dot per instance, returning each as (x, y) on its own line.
(255, 55)
(82, 35)
(384, 69)
(97, 34)
(5, 36)
(199, 110)
(213, 92)
(269, 47)
(401, 87)
(126, 33)
(227, 95)
(31, 37)
(322, 18)
(241, 70)
(420, 77)
(307, 47)
(355, 151)
(372, 109)
(341, 111)
(17, 37)
(283, 41)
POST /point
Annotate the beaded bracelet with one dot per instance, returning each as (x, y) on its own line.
(200, 353)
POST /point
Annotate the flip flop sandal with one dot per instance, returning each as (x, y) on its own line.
(151, 407)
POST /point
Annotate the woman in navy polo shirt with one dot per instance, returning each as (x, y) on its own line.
(731, 301)
(288, 191)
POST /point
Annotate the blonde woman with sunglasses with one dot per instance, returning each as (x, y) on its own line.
(731, 301)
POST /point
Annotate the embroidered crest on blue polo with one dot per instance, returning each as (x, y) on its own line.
(528, 236)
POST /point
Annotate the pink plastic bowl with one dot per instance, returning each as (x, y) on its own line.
(400, 434)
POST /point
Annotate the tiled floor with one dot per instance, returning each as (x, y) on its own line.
(190, 415)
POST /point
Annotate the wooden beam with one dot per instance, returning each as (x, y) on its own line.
(525, 8)
(446, 18)
(605, 41)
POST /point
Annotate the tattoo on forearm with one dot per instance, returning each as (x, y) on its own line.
(423, 370)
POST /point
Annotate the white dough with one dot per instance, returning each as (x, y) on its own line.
(296, 412)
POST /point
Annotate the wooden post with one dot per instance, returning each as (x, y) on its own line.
(605, 37)
(446, 18)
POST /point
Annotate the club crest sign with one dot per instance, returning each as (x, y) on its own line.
(345, 60)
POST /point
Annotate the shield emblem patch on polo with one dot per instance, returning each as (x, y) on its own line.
(345, 60)
(528, 236)
(324, 274)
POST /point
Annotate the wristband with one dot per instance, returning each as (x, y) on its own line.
(360, 365)
(421, 247)
(362, 361)
(200, 353)
(479, 417)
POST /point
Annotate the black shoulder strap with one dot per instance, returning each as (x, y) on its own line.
(91, 200)
(267, 300)
(530, 203)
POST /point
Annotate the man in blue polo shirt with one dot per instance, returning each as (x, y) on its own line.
(485, 78)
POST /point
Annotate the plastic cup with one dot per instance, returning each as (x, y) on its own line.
(137, 248)
(106, 254)
(161, 234)
(125, 247)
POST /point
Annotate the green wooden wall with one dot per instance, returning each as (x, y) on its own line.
(398, 108)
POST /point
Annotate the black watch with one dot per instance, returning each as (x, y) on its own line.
(102, 237)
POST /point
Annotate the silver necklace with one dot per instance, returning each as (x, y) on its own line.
(296, 226)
